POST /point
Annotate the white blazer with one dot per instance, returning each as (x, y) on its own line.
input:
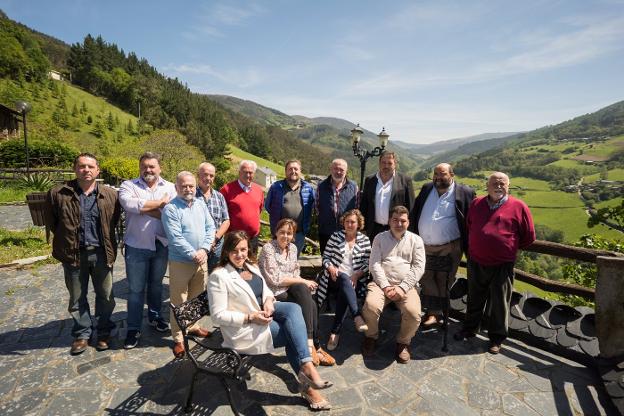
(230, 298)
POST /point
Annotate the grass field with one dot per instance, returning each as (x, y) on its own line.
(237, 155)
(21, 244)
(610, 203)
(613, 175)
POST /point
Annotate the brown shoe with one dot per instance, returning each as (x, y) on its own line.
(324, 358)
(316, 359)
(78, 346)
(102, 343)
(402, 353)
(178, 350)
(200, 332)
(368, 347)
(430, 321)
(494, 348)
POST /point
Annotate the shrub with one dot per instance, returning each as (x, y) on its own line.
(116, 169)
(36, 181)
(13, 154)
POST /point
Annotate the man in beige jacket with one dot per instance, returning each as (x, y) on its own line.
(397, 263)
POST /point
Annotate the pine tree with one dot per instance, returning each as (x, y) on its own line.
(83, 108)
(110, 121)
(130, 127)
(74, 111)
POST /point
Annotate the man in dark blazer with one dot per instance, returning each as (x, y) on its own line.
(383, 191)
(439, 218)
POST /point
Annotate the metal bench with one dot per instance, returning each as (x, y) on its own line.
(223, 363)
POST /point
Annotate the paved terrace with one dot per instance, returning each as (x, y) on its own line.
(38, 376)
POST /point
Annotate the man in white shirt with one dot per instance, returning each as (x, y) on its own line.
(439, 218)
(383, 191)
(397, 262)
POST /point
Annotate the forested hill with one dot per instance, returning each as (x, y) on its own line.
(127, 81)
(540, 153)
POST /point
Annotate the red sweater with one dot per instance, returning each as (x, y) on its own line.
(244, 207)
(494, 237)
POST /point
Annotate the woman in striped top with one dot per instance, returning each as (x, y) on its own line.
(345, 264)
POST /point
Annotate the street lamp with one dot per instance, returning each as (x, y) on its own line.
(364, 154)
(23, 107)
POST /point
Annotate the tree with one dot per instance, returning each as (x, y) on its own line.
(110, 121)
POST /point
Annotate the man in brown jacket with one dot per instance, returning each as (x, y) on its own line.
(83, 216)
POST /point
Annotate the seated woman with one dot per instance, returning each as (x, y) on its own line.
(279, 266)
(253, 323)
(345, 265)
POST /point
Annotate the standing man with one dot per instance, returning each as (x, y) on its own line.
(146, 244)
(291, 198)
(244, 200)
(439, 218)
(397, 262)
(83, 216)
(383, 191)
(217, 207)
(335, 195)
(190, 230)
(498, 226)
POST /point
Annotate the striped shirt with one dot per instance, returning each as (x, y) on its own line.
(216, 206)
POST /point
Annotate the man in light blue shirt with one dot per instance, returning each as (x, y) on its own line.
(146, 245)
(439, 217)
(190, 230)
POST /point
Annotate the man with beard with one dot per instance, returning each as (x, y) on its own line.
(146, 244)
(334, 196)
(498, 226)
(439, 218)
(190, 230)
(291, 198)
(383, 191)
(216, 206)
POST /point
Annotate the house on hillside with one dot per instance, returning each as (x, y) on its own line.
(55, 75)
(9, 123)
(265, 176)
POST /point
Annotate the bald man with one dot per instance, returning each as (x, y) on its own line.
(498, 226)
(439, 218)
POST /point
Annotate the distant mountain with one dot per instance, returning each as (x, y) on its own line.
(255, 111)
(450, 144)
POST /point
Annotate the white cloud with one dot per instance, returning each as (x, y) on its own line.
(214, 18)
(240, 78)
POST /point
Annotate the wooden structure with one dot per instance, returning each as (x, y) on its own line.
(36, 205)
(9, 122)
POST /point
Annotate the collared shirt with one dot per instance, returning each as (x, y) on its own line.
(337, 191)
(89, 218)
(383, 193)
(437, 224)
(397, 262)
(292, 206)
(216, 206)
(188, 228)
(498, 204)
(143, 230)
(244, 187)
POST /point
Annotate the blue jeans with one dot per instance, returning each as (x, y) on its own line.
(145, 269)
(288, 330)
(346, 298)
(299, 242)
(214, 256)
(92, 263)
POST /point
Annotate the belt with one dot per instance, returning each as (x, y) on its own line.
(89, 248)
(443, 244)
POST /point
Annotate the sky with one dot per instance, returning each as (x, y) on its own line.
(424, 70)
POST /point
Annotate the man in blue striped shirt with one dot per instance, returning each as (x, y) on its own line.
(216, 206)
(190, 230)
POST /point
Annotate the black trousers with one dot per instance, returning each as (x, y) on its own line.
(300, 294)
(492, 285)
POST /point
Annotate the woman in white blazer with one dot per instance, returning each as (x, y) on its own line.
(252, 322)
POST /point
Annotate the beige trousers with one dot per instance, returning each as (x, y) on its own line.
(409, 307)
(186, 281)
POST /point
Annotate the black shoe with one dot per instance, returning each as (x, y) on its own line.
(132, 339)
(494, 347)
(464, 334)
(159, 325)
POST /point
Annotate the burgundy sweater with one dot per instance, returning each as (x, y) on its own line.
(244, 207)
(494, 237)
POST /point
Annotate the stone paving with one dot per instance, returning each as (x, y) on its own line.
(39, 377)
(15, 217)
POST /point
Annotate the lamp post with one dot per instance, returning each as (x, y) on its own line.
(23, 107)
(363, 154)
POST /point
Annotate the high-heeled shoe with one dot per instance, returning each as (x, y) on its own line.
(306, 381)
(322, 405)
(360, 324)
(332, 342)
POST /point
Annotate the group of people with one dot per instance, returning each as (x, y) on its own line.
(374, 245)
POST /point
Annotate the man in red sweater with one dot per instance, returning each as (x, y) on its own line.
(244, 200)
(498, 226)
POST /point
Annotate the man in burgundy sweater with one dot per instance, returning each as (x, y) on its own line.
(244, 200)
(498, 226)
